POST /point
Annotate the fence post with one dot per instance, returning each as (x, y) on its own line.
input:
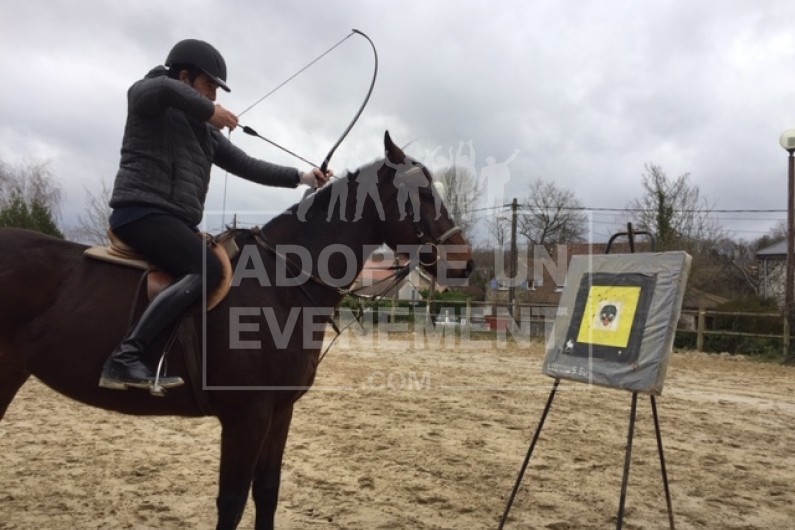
(786, 335)
(702, 317)
(468, 314)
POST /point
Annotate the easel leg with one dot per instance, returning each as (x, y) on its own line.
(662, 462)
(529, 453)
(627, 461)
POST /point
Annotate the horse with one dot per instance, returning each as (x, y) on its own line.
(62, 313)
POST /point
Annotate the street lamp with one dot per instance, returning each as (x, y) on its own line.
(787, 141)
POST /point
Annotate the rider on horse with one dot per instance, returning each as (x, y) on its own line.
(172, 137)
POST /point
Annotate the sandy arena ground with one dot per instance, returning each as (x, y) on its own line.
(409, 434)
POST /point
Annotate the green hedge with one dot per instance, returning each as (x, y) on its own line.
(752, 346)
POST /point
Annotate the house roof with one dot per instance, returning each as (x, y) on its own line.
(774, 251)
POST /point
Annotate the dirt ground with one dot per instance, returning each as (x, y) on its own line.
(418, 433)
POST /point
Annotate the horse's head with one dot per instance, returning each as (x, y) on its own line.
(417, 222)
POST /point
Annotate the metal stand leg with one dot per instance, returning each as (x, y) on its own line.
(662, 462)
(627, 461)
(529, 453)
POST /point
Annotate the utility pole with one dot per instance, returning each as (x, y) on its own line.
(514, 253)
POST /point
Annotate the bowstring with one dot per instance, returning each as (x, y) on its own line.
(299, 72)
(260, 100)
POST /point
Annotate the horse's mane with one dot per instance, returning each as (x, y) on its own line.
(317, 202)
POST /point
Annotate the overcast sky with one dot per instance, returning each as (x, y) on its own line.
(588, 92)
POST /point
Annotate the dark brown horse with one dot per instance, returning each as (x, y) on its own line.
(62, 313)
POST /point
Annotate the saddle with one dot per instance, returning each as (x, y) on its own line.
(118, 252)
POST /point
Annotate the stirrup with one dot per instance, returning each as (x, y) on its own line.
(158, 388)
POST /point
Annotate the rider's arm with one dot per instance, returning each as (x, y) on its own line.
(236, 161)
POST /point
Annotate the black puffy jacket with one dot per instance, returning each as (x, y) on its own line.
(169, 147)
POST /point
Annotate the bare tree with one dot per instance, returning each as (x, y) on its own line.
(724, 267)
(32, 182)
(551, 214)
(460, 192)
(92, 226)
(29, 198)
(673, 210)
(498, 225)
(680, 219)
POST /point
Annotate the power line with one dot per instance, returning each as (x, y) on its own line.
(624, 210)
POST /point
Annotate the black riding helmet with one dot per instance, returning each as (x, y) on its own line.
(201, 55)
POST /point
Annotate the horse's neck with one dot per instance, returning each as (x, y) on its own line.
(334, 246)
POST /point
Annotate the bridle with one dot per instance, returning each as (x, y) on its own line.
(441, 240)
(424, 241)
(425, 192)
(364, 302)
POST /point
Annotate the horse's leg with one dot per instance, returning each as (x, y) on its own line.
(11, 380)
(242, 435)
(269, 468)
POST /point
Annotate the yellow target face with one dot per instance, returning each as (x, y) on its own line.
(609, 314)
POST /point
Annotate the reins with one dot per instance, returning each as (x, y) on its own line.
(391, 281)
(394, 279)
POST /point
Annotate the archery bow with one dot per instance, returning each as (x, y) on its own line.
(324, 166)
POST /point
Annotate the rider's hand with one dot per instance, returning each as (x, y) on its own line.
(223, 118)
(316, 178)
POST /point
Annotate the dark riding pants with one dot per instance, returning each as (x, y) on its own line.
(172, 246)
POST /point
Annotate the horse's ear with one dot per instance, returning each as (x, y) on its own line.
(393, 152)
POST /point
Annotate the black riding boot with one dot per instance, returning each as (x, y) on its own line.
(127, 365)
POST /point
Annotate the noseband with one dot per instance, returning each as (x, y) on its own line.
(433, 245)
